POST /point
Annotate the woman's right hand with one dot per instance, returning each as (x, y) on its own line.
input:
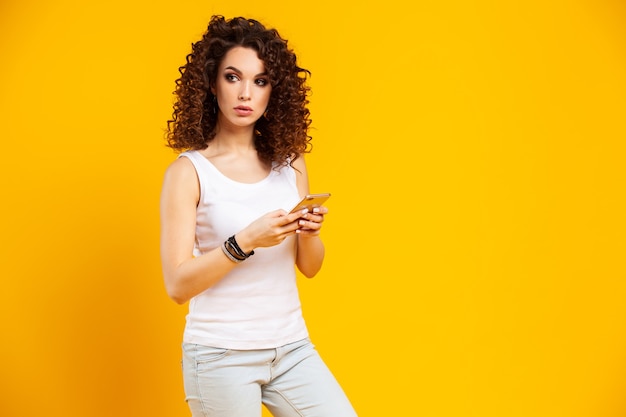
(269, 230)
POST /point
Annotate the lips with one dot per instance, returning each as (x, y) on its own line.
(243, 110)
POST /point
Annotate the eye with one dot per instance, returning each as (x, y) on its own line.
(262, 82)
(231, 77)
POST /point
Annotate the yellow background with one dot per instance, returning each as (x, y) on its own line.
(475, 152)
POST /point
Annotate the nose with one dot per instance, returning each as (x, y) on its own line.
(244, 94)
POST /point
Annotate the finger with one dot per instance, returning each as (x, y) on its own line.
(277, 213)
(307, 232)
(292, 217)
(290, 227)
(288, 233)
(287, 218)
(317, 218)
(309, 225)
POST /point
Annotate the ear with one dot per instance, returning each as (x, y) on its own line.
(212, 88)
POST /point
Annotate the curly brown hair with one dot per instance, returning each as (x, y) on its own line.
(281, 135)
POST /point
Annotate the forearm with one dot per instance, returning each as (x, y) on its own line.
(195, 275)
(310, 255)
(186, 276)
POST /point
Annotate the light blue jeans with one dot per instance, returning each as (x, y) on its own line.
(292, 381)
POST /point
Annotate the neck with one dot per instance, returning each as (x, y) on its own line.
(237, 138)
(223, 144)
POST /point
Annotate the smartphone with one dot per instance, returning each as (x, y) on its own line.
(310, 201)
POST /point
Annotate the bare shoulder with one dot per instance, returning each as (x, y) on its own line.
(181, 177)
(180, 169)
(302, 176)
(299, 164)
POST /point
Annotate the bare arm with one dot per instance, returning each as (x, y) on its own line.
(310, 255)
(185, 275)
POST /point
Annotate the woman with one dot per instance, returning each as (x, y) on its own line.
(228, 241)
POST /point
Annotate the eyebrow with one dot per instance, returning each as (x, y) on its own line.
(239, 71)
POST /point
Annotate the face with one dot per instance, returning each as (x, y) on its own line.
(242, 88)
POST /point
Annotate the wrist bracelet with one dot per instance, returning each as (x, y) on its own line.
(233, 244)
(232, 250)
(230, 255)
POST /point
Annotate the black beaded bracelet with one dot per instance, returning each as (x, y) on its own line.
(233, 244)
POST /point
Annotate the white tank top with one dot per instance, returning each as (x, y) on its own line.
(256, 305)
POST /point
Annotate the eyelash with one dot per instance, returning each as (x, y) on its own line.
(261, 82)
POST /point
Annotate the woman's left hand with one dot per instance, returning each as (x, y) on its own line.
(311, 223)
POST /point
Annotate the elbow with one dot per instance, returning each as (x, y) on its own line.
(177, 298)
(309, 272)
(176, 293)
